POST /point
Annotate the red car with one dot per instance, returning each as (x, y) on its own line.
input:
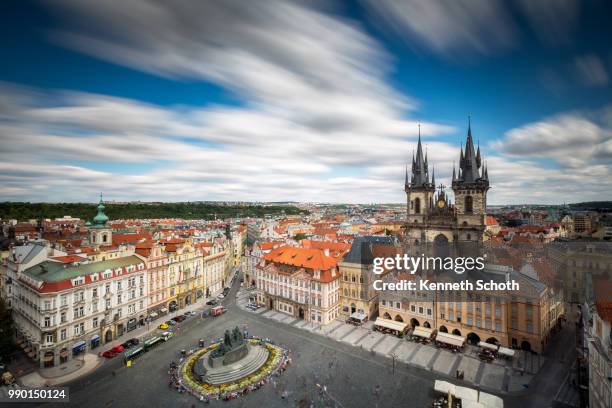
(118, 349)
(109, 354)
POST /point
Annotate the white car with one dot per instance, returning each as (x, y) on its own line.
(220, 296)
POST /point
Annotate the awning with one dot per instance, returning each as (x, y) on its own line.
(79, 346)
(153, 315)
(391, 324)
(95, 337)
(506, 351)
(163, 310)
(489, 346)
(444, 387)
(490, 400)
(48, 357)
(422, 332)
(466, 394)
(451, 339)
(361, 316)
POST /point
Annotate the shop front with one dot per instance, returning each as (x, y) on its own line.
(132, 324)
(63, 355)
(48, 359)
(94, 341)
(78, 347)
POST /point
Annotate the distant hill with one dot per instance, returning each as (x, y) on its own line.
(592, 205)
(85, 211)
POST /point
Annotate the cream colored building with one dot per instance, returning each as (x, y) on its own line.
(300, 282)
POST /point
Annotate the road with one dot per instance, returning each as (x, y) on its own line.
(349, 374)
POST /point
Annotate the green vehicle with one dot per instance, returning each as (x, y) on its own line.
(131, 354)
(148, 344)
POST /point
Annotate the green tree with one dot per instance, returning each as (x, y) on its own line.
(300, 236)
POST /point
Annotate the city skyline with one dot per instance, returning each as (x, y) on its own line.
(306, 103)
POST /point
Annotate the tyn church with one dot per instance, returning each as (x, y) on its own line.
(431, 217)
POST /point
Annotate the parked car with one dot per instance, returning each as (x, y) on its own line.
(212, 302)
(118, 349)
(126, 345)
(226, 291)
(170, 322)
(178, 318)
(109, 354)
(163, 326)
(220, 296)
(134, 341)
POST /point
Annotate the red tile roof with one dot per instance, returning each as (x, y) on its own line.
(302, 257)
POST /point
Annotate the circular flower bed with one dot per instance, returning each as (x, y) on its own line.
(276, 363)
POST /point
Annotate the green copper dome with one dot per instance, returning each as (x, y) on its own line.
(100, 219)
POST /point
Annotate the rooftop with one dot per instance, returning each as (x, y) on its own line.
(50, 271)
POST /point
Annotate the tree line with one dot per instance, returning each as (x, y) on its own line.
(24, 211)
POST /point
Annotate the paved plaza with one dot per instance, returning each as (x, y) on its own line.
(499, 376)
(353, 366)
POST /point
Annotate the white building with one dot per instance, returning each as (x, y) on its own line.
(64, 305)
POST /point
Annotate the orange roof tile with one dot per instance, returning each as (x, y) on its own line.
(302, 257)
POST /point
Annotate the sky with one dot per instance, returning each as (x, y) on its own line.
(314, 101)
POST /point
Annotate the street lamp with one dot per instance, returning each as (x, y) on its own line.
(323, 389)
(393, 358)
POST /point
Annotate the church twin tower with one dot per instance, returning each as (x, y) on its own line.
(430, 215)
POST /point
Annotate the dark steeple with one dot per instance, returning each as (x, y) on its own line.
(433, 176)
(419, 168)
(470, 161)
(454, 174)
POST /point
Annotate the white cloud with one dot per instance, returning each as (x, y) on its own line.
(319, 120)
(454, 29)
(591, 70)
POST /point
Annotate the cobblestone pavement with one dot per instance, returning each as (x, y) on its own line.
(351, 365)
(498, 376)
(502, 376)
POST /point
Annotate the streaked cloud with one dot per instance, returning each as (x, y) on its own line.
(591, 70)
(318, 121)
(455, 29)
(553, 21)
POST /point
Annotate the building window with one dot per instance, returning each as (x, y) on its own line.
(63, 334)
(94, 322)
(469, 204)
(417, 206)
